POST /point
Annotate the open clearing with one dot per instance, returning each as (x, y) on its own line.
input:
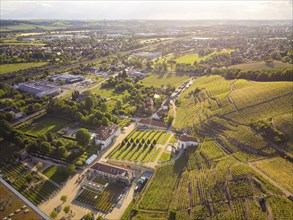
(159, 79)
(191, 57)
(6, 68)
(54, 173)
(46, 124)
(262, 66)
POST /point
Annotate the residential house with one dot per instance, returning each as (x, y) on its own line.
(185, 141)
(105, 135)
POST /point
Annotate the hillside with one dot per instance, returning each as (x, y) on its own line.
(263, 66)
(226, 109)
(236, 172)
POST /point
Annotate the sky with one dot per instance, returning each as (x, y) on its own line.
(148, 9)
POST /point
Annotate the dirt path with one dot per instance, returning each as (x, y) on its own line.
(283, 189)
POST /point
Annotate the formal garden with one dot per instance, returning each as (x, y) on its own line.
(140, 146)
(101, 200)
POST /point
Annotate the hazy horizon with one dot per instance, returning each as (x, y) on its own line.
(146, 10)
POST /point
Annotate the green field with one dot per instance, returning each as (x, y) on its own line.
(6, 68)
(159, 79)
(165, 157)
(190, 58)
(46, 124)
(55, 174)
(261, 65)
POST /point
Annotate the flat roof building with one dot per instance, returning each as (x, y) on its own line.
(68, 78)
(39, 89)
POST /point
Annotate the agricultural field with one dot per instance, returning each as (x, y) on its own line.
(7, 68)
(45, 125)
(262, 66)
(55, 174)
(104, 200)
(10, 203)
(29, 183)
(217, 187)
(169, 78)
(192, 57)
(226, 108)
(279, 169)
(139, 146)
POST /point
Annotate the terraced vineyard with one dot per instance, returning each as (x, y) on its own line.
(139, 146)
(206, 183)
(225, 109)
(29, 183)
(102, 201)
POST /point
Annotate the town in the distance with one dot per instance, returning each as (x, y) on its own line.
(146, 120)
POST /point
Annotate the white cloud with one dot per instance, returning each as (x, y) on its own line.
(251, 9)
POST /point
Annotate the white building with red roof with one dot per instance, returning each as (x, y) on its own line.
(106, 135)
(185, 141)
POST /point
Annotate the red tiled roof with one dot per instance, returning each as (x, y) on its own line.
(103, 133)
(186, 138)
(113, 170)
(152, 122)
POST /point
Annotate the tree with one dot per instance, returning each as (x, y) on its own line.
(66, 209)
(39, 165)
(83, 137)
(105, 121)
(119, 104)
(54, 214)
(62, 152)
(37, 107)
(171, 214)
(63, 198)
(89, 102)
(49, 137)
(78, 116)
(104, 107)
(75, 95)
(45, 147)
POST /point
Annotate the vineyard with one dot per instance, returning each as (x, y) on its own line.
(225, 109)
(102, 201)
(139, 146)
(29, 183)
(205, 182)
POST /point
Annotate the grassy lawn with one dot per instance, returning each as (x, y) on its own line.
(165, 156)
(109, 93)
(45, 125)
(156, 155)
(6, 68)
(53, 173)
(159, 79)
(262, 65)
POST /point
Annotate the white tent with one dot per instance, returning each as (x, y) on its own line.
(91, 159)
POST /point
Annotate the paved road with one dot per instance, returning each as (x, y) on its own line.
(28, 117)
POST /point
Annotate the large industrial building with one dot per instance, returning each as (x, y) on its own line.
(68, 78)
(38, 89)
